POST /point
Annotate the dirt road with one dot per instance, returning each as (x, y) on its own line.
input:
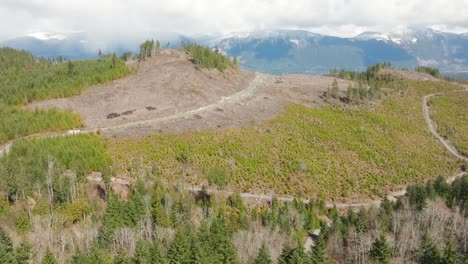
(430, 124)
(237, 98)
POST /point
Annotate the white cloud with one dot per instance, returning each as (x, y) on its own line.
(120, 18)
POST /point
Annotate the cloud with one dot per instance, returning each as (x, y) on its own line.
(119, 18)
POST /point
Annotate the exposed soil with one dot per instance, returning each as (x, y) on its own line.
(170, 94)
(166, 84)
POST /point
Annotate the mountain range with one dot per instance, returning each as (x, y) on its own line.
(286, 51)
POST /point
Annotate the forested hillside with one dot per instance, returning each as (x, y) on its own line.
(24, 78)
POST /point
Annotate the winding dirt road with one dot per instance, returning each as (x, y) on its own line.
(430, 124)
(236, 98)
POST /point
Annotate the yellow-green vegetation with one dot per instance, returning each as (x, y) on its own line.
(450, 113)
(207, 58)
(16, 122)
(29, 161)
(327, 152)
(24, 78)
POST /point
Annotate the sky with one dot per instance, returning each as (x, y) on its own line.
(114, 19)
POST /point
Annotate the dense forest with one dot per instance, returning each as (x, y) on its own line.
(70, 221)
(24, 78)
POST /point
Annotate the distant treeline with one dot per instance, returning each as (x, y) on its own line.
(207, 58)
(24, 78)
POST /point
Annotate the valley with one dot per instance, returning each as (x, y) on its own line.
(171, 146)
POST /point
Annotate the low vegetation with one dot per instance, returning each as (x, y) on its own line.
(16, 122)
(209, 59)
(450, 114)
(327, 153)
(31, 161)
(24, 78)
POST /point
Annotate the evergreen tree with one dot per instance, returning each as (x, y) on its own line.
(295, 255)
(335, 89)
(286, 252)
(23, 253)
(121, 258)
(6, 256)
(157, 254)
(441, 187)
(318, 253)
(263, 256)
(5, 241)
(417, 196)
(142, 254)
(202, 250)
(449, 256)
(49, 258)
(380, 251)
(299, 256)
(428, 252)
(221, 242)
(180, 250)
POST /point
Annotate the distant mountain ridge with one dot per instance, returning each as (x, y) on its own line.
(287, 51)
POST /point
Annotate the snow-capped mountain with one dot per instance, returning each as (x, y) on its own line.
(280, 51)
(286, 51)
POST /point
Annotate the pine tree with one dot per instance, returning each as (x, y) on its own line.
(23, 253)
(285, 254)
(120, 258)
(428, 252)
(318, 253)
(157, 254)
(380, 251)
(263, 256)
(295, 255)
(5, 241)
(335, 89)
(142, 254)
(6, 256)
(221, 242)
(49, 258)
(449, 256)
(299, 256)
(180, 249)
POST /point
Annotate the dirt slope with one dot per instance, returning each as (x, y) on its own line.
(170, 94)
(166, 84)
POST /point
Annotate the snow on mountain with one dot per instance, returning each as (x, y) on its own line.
(372, 36)
(47, 36)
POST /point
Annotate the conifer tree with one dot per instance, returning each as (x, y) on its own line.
(263, 256)
(335, 89)
(180, 250)
(5, 241)
(142, 254)
(49, 258)
(318, 253)
(23, 253)
(157, 254)
(449, 256)
(380, 251)
(286, 252)
(221, 241)
(6, 256)
(428, 252)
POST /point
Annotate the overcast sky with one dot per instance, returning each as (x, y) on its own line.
(119, 18)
